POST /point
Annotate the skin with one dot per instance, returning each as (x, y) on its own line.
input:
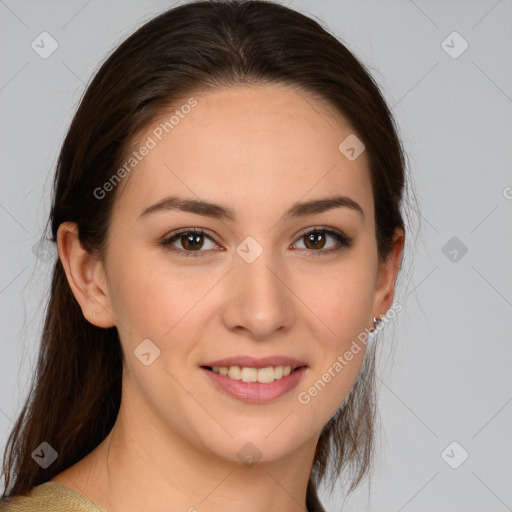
(258, 150)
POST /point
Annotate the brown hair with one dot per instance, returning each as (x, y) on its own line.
(198, 46)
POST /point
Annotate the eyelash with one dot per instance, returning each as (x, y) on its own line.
(343, 240)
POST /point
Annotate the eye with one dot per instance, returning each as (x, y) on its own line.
(190, 239)
(315, 240)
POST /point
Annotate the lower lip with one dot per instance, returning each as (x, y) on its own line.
(255, 392)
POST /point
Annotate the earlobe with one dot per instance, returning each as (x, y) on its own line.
(387, 274)
(86, 277)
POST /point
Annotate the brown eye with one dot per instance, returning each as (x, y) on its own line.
(315, 240)
(190, 240)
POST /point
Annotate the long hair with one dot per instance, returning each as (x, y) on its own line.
(75, 395)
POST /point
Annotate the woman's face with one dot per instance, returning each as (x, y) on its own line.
(256, 283)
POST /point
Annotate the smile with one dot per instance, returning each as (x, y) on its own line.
(255, 385)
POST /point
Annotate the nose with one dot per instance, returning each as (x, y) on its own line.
(258, 299)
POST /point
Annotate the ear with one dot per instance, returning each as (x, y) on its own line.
(387, 274)
(86, 277)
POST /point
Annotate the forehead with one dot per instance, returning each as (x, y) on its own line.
(253, 148)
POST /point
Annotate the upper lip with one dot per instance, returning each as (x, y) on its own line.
(256, 362)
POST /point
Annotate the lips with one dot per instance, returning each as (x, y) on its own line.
(255, 380)
(255, 392)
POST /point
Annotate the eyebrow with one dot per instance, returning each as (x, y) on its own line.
(207, 209)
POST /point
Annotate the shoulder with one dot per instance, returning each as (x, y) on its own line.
(49, 496)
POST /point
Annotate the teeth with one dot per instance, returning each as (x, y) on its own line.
(261, 375)
(234, 372)
(249, 374)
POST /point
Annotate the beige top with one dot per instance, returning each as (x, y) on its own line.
(50, 497)
(54, 497)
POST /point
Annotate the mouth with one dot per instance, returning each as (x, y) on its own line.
(255, 385)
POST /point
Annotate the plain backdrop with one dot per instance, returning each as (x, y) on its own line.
(445, 69)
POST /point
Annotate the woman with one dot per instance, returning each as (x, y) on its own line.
(227, 212)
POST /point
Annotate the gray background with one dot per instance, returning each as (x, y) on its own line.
(446, 375)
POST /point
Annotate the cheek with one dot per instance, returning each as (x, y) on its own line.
(142, 297)
(330, 380)
(153, 299)
(341, 300)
